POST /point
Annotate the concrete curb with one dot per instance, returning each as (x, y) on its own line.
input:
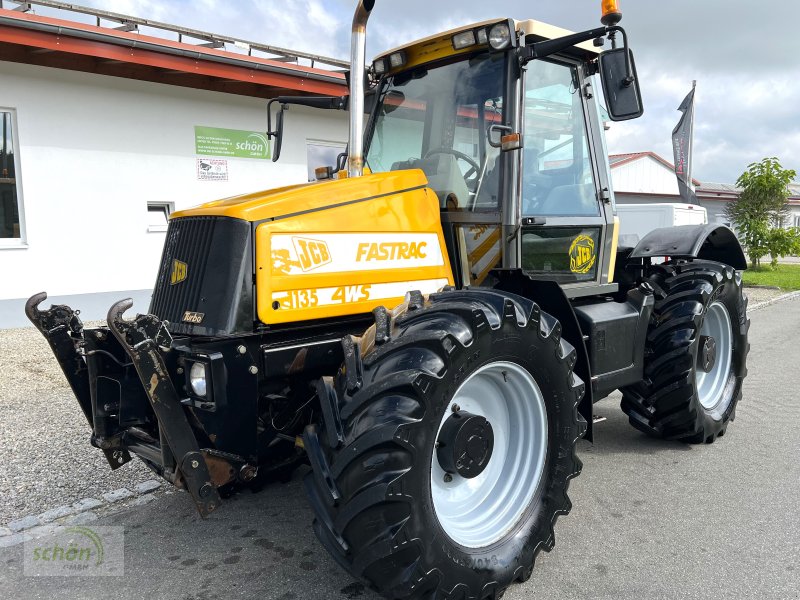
(81, 512)
(780, 298)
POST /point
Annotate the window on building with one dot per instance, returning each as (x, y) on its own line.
(797, 221)
(158, 215)
(11, 222)
(322, 154)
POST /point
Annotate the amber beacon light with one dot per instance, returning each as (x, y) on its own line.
(611, 12)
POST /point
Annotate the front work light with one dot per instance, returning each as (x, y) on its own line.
(197, 379)
(397, 60)
(379, 66)
(465, 39)
(611, 13)
(500, 36)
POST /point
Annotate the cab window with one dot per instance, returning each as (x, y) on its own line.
(557, 174)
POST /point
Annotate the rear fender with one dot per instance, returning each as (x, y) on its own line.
(708, 242)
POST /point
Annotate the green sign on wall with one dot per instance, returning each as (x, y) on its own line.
(213, 141)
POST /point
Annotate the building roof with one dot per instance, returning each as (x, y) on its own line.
(706, 190)
(67, 44)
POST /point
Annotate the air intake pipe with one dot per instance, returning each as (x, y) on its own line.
(358, 59)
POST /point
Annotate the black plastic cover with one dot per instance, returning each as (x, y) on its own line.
(616, 333)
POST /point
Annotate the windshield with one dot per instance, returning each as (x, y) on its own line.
(435, 119)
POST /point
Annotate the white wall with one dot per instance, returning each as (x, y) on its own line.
(95, 149)
(645, 176)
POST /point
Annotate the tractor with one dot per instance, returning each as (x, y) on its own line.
(424, 328)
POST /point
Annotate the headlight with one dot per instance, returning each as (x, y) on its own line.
(500, 36)
(197, 379)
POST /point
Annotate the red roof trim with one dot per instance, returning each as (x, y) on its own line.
(123, 48)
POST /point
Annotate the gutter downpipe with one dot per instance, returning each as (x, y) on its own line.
(358, 59)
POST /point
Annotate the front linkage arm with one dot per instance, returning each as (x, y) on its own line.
(63, 330)
(141, 339)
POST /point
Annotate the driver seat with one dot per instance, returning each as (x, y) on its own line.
(445, 178)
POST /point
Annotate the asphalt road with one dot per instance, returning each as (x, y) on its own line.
(651, 519)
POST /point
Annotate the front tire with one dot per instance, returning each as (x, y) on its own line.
(386, 493)
(696, 353)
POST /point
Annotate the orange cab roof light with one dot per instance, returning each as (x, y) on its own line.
(611, 13)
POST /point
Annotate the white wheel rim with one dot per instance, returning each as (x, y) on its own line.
(478, 512)
(711, 386)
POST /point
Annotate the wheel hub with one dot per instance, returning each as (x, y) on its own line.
(707, 356)
(465, 444)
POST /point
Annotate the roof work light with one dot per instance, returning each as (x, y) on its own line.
(611, 13)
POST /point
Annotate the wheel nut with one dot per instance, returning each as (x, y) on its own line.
(241, 350)
(195, 464)
(455, 408)
(448, 478)
(253, 370)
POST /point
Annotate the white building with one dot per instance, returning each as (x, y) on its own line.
(644, 177)
(98, 143)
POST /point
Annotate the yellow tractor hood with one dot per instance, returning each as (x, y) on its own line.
(308, 197)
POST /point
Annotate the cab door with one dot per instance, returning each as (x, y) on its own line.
(565, 217)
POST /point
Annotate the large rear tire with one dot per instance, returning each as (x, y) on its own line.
(695, 358)
(395, 505)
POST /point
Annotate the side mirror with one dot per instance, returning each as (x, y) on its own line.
(277, 134)
(620, 84)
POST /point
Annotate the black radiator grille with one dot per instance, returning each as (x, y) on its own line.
(189, 241)
(214, 278)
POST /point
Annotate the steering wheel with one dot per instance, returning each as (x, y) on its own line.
(471, 176)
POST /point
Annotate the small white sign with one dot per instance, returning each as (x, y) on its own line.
(212, 169)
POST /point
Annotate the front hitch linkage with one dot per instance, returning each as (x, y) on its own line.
(63, 329)
(142, 339)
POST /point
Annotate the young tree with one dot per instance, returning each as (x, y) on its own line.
(762, 203)
(783, 242)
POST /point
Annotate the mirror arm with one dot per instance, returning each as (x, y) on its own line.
(324, 102)
(628, 81)
(543, 49)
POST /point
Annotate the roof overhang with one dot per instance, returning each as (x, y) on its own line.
(49, 42)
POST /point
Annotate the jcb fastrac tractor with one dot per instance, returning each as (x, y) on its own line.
(428, 324)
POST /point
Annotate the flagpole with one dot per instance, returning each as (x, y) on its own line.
(690, 154)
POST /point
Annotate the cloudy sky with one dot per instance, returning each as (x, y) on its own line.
(744, 55)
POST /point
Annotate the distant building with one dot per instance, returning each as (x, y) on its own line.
(642, 177)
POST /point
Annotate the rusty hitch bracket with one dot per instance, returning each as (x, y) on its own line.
(63, 329)
(143, 338)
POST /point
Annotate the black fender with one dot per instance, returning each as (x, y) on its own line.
(551, 299)
(709, 242)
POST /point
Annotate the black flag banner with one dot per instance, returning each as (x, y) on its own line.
(682, 148)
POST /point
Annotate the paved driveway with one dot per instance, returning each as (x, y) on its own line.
(651, 519)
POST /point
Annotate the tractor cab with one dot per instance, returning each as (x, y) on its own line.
(511, 142)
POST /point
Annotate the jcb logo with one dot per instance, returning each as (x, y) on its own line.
(582, 254)
(311, 253)
(179, 271)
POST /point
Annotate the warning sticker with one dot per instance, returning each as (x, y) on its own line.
(212, 169)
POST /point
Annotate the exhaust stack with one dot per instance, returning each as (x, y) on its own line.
(358, 51)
